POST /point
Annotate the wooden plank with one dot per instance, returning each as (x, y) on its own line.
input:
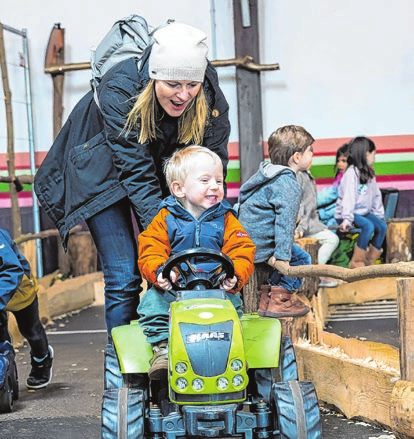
(405, 287)
(355, 389)
(398, 242)
(249, 100)
(362, 291)
(362, 350)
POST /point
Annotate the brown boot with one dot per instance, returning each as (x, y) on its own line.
(264, 299)
(282, 305)
(159, 361)
(358, 258)
(372, 255)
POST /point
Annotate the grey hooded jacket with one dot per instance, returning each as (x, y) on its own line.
(268, 208)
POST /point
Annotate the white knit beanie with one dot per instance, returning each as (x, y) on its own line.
(179, 53)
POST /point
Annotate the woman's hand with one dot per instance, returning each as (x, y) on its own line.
(165, 284)
(228, 284)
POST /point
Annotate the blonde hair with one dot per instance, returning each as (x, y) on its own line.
(142, 118)
(285, 141)
(177, 167)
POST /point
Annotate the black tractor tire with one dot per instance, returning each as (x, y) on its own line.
(295, 410)
(288, 367)
(15, 381)
(112, 375)
(6, 395)
(123, 414)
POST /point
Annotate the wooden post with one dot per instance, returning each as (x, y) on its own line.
(309, 284)
(398, 242)
(82, 254)
(246, 36)
(15, 209)
(405, 297)
(55, 55)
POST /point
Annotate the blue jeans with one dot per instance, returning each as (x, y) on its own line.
(154, 315)
(373, 230)
(299, 257)
(113, 233)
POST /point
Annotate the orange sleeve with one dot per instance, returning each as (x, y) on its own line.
(239, 248)
(153, 247)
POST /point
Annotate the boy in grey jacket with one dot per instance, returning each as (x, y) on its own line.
(268, 209)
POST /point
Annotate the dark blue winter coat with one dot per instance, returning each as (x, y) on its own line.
(90, 165)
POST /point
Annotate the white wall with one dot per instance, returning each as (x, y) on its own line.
(347, 67)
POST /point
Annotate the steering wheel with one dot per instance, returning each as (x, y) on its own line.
(190, 277)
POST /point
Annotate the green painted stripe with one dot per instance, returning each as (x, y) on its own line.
(4, 187)
(393, 168)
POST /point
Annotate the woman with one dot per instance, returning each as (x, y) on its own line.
(106, 161)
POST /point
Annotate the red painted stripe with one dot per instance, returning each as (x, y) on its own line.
(322, 147)
(328, 147)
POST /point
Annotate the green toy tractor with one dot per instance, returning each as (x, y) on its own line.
(227, 377)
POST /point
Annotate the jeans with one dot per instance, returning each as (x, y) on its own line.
(154, 315)
(299, 257)
(373, 230)
(113, 233)
(30, 327)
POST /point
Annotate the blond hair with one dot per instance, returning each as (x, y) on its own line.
(142, 118)
(285, 141)
(177, 167)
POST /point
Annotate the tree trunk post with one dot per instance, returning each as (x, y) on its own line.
(405, 297)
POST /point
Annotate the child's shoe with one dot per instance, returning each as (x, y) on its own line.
(159, 361)
(41, 373)
(264, 300)
(282, 305)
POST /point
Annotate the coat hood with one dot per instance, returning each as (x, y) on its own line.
(266, 172)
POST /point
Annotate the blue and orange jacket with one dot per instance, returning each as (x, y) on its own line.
(174, 229)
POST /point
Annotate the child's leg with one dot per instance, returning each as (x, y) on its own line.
(32, 329)
(380, 230)
(299, 257)
(329, 241)
(4, 330)
(153, 314)
(367, 229)
(237, 302)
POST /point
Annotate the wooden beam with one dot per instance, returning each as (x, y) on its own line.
(249, 106)
(405, 289)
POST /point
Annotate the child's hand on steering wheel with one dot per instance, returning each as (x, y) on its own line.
(228, 284)
(165, 284)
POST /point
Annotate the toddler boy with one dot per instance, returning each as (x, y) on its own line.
(195, 215)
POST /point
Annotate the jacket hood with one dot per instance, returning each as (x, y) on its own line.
(266, 172)
(219, 209)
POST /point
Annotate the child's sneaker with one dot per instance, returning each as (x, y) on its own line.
(41, 373)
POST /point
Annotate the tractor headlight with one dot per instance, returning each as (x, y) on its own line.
(236, 365)
(222, 383)
(181, 367)
(181, 383)
(198, 384)
(237, 380)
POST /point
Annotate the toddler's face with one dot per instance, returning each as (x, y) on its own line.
(203, 186)
(342, 163)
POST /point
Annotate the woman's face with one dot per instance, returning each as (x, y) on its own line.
(175, 96)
